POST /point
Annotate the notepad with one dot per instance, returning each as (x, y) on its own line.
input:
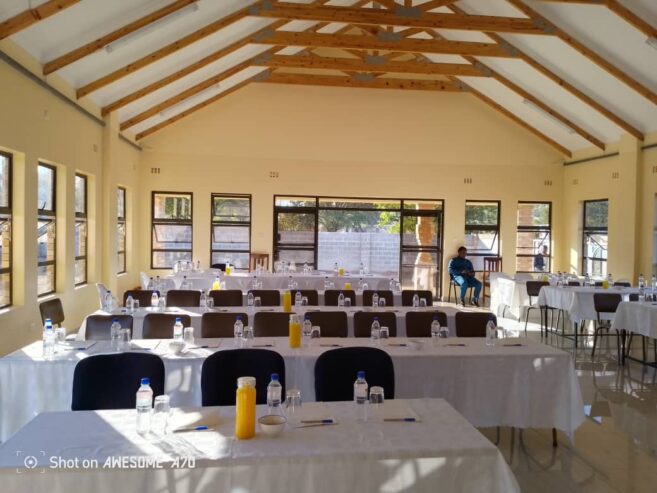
(314, 411)
(397, 410)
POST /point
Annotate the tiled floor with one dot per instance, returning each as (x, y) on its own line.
(615, 450)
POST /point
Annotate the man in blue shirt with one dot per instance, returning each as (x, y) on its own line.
(539, 259)
(462, 271)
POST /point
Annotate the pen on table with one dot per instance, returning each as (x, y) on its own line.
(401, 420)
(398, 344)
(512, 345)
(330, 345)
(318, 421)
(263, 345)
(202, 347)
(193, 428)
(461, 345)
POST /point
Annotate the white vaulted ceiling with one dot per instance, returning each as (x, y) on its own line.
(601, 30)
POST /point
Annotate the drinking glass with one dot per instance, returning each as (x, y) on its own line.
(188, 336)
(376, 403)
(304, 301)
(347, 302)
(257, 302)
(248, 335)
(435, 332)
(161, 412)
(209, 302)
(384, 333)
(382, 302)
(135, 305)
(365, 286)
(124, 339)
(292, 405)
(443, 332)
(423, 303)
(315, 332)
(60, 335)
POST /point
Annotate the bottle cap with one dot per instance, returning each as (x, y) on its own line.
(306, 317)
(435, 317)
(178, 319)
(238, 318)
(376, 318)
(115, 320)
(274, 377)
(360, 374)
(48, 321)
(145, 381)
(246, 382)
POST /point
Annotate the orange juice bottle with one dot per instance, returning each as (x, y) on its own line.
(347, 286)
(295, 332)
(341, 271)
(287, 302)
(216, 285)
(245, 412)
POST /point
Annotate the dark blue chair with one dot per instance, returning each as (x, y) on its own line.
(110, 381)
(472, 324)
(335, 372)
(222, 369)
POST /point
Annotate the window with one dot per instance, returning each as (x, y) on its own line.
(595, 237)
(5, 229)
(482, 231)
(120, 233)
(399, 238)
(171, 238)
(46, 229)
(231, 230)
(533, 237)
(81, 229)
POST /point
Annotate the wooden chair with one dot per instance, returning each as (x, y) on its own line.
(407, 296)
(98, 327)
(53, 310)
(491, 264)
(183, 297)
(261, 259)
(160, 325)
(271, 324)
(143, 296)
(605, 303)
(220, 324)
(472, 324)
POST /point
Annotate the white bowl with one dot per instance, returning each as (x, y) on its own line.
(272, 424)
(415, 344)
(177, 347)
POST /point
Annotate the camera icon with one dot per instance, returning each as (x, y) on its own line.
(30, 462)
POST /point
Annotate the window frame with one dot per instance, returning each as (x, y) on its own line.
(242, 224)
(8, 211)
(121, 221)
(177, 222)
(49, 215)
(592, 230)
(82, 218)
(535, 229)
(479, 227)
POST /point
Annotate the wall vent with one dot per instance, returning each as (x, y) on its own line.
(575, 182)
(548, 183)
(467, 181)
(155, 171)
(273, 174)
(654, 169)
(615, 175)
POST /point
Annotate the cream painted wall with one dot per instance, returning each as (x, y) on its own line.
(36, 125)
(334, 141)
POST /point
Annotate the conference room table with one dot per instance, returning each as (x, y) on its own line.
(439, 451)
(508, 295)
(519, 382)
(196, 313)
(636, 318)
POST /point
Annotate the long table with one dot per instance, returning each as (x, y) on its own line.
(441, 451)
(528, 386)
(636, 318)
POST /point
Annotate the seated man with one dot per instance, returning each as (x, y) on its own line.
(462, 271)
(539, 259)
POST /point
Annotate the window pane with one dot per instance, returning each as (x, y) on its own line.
(296, 228)
(534, 215)
(239, 260)
(481, 214)
(46, 188)
(120, 237)
(595, 253)
(172, 206)
(377, 204)
(120, 202)
(80, 194)
(230, 237)
(420, 231)
(165, 260)
(298, 256)
(423, 205)
(479, 244)
(528, 245)
(4, 181)
(420, 271)
(80, 238)
(45, 279)
(5, 241)
(80, 271)
(295, 202)
(5, 289)
(596, 214)
(46, 239)
(121, 262)
(172, 237)
(231, 209)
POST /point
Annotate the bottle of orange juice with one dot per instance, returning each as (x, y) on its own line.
(287, 302)
(347, 286)
(341, 271)
(245, 411)
(216, 285)
(295, 332)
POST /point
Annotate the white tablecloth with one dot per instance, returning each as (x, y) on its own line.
(442, 452)
(197, 313)
(640, 318)
(510, 294)
(532, 386)
(578, 301)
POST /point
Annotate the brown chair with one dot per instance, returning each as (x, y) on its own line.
(311, 294)
(143, 296)
(98, 326)
(271, 324)
(472, 324)
(183, 297)
(386, 294)
(227, 297)
(268, 297)
(573, 284)
(331, 296)
(363, 323)
(220, 324)
(491, 264)
(333, 324)
(160, 325)
(53, 310)
(623, 284)
(418, 324)
(605, 303)
(261, 259)
(407, 296)
(533, 290)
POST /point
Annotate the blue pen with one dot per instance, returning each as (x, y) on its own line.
(401, 420)
(318, 421)
(193, 428)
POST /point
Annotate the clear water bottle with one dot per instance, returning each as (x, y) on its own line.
(157, 284)
(151, 285)
(416, 300)
(254, 282)
(610, 280)
(306, 330)
(155, 300)
(297, 299)
(653, 282)
(375, 331)
(198, 266)
(587, 280)
(360, 284)
(360, 396)
(238, 331)
(335, 269)
(203, 302)
(144, 406)
(642, 282)
(48, 340)
(115, 334)
(250, 300)
(130, 303)
(375, 299)
(274, 391)
(361, 269)
(184, 284)
(392, 284)
(435, 327)
(108, 301)
(341, 299)
(327, 283)
(178, 330)
(491, 331)
(290, 282)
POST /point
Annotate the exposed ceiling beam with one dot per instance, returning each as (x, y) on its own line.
(384, 41)
(581, 95)
(585, 2)
(374, 64)
(169, 49)
(195, 108)
(434, 4)
(628, 16)
(99, 43)
(30, 17)
(363, 80)
(588, 53)
(402, 17)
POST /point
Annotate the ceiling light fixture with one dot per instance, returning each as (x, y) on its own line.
(652, 42)
(151, 27)
(548, 116)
